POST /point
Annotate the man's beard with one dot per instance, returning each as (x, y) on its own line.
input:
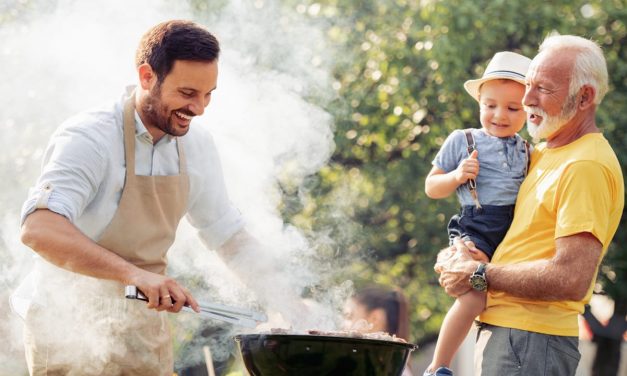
(156, 113)
(551, 124)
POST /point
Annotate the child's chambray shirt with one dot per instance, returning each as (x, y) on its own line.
(502, 166)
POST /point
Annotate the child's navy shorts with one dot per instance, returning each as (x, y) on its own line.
(486, 227)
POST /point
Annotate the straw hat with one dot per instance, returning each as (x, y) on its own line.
(504, 65)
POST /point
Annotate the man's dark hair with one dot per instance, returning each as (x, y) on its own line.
(175, 40)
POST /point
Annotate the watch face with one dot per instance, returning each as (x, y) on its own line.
(478, 283)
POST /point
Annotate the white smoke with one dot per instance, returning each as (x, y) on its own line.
(64, 57)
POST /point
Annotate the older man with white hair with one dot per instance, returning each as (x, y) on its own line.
(567, 211)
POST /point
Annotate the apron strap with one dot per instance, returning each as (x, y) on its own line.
(129, 135)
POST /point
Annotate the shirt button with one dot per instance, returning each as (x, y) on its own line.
(504, 164)
(500, 153)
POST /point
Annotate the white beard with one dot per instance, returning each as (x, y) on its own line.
(550, 124)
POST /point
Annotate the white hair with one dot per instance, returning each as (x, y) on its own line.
(589, 68)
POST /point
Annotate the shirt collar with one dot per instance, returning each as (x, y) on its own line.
(512, 140)
(142, 132)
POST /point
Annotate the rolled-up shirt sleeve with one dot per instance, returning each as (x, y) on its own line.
(72, 169)
(215, 234)
(210, 211)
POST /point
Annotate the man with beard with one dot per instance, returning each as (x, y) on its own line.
(567, 211)
(115, 183)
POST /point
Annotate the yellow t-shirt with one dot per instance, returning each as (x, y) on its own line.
(571, 189)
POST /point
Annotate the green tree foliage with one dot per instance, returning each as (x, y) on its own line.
(399, 76)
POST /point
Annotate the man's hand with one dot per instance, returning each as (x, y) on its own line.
(444, 259)
(163, 292)
(262, 272)
(448, 256)
(61, 243)
(456, 270)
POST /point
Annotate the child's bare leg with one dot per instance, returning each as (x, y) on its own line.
(455, 327)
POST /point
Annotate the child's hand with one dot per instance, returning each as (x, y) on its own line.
(467, 169)
(475, 253)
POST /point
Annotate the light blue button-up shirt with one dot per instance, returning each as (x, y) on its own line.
(502, 165)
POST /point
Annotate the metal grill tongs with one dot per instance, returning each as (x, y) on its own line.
(234, 315)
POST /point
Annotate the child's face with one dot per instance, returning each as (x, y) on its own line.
(501, 109)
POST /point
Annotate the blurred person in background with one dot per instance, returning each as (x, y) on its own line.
(376, 309)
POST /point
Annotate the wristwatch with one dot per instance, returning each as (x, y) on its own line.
(478, 280)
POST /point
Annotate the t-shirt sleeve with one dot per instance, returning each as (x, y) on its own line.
(584, 200)
(72, 169)
(452, 152)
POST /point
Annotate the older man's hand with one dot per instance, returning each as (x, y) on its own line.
(445, 259)
(455, 271)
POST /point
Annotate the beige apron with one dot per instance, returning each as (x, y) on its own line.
(92, 328)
